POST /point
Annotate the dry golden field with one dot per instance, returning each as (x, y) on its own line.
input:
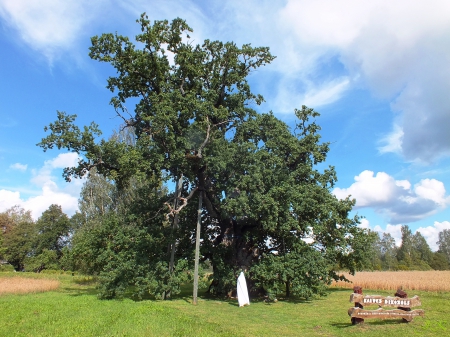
(21, 285)
(393, 280)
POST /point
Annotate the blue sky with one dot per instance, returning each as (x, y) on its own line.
(378, 72)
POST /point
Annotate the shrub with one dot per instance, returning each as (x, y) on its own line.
(6, 268)
(52, 271)
(402, 267)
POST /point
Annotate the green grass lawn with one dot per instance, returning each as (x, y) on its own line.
(74, 310)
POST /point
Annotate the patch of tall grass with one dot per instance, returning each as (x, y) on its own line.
(393, 280)
(22, 285)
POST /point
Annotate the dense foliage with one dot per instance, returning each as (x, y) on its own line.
(18, 232)
(444, 243)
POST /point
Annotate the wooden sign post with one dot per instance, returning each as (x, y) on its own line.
(400, 301)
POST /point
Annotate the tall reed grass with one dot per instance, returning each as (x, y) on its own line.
(21, 285)
(393, 280)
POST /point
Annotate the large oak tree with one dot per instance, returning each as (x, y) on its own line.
(267, 208)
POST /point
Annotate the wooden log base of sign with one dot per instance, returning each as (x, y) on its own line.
(385, 301)
(384, 314)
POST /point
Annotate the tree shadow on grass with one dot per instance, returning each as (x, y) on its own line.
(186, 294)
(385, 322)
(300, 300)
(342, 325)
(75, 291)
(339, 290)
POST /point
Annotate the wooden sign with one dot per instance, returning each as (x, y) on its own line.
(385, 301)
(383, 314)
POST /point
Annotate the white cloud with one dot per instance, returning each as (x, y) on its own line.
(8, 199)
(431, 233)
(328, 94)
(19, 167)
(398, 50)
(51, 189)
(394, 230)
(51, 194)
(43, 176)
(396, 233)
(432, 189)
(364, 224)
(393, 141)
(48, 26)
(63, 160)
(395, 198)
(313, 95)
(369, 189)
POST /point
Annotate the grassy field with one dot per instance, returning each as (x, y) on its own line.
(74, 310)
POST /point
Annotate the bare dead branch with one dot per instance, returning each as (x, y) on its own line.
(121, 116)
(224, 122)
(173, 211)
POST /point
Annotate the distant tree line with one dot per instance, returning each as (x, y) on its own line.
(30, 245)
(414, 253)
